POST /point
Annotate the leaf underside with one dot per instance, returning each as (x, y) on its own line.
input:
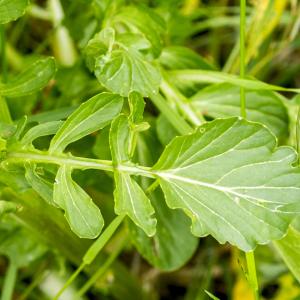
(129, 197)
(82, 214)
(232, 181)
(223, 100)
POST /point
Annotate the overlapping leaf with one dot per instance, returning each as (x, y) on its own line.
(44, 129)
(130, 198)
(82, 214)
(164, 250)
(92, 115)
(223, 100)
(232, 181)
(144, 21)
(123, 68)
(42, 186)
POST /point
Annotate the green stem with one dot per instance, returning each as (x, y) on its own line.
(101, 271)
(69, 281)
(93, 251)
(4, 111)
(172, 116)
(63, 44)
(102, 240)
(242, 55)
(75, 162)
(9, 282)
(174, 95)
(252, 277)
(152, 187)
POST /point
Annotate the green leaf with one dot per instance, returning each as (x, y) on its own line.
(7, 130)
(92, 115)
(289, 249)
(19, 245)
(232, 181)
(11, 10)
(52, 115)
(83, 216)
(211, 296)
(144, 21)
(123, 68)
(137, 105)
(40, 130)
(165, 130)
(188, 77)
(223, 100)
(31, 80)
(129, 197)
(164, 250)
(177, 57)
(42, 186)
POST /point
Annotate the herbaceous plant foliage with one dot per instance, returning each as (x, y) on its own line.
(149, 149)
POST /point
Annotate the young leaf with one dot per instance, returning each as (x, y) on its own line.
(232, 181)
(92, 115)
(123, 68)
(43, 129)
(144, 21)
(11, 10)
(82, 214)
(137, 105)
(31, 80)
(223, 100)
(130, 198)
(43, 187)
